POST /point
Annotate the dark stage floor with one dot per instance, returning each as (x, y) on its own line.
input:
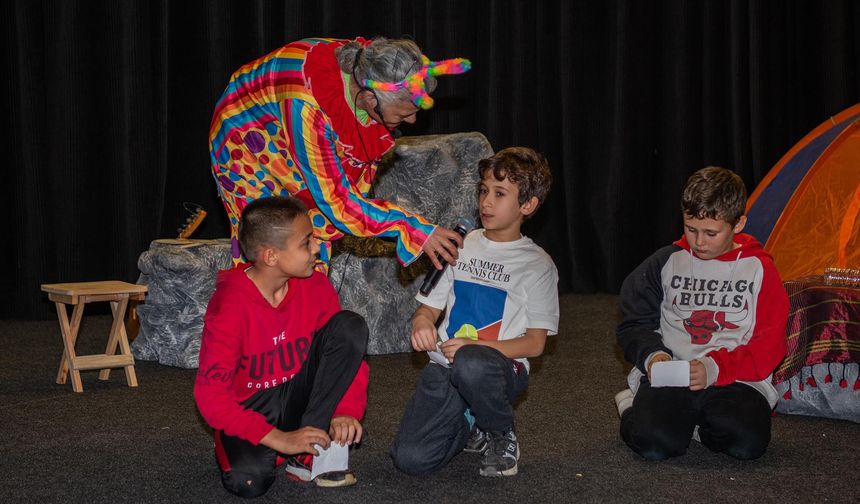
(116, 444)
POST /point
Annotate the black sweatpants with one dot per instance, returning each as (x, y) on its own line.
(734, 419)
(309, 399)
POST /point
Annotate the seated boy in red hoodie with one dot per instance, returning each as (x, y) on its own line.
(281, 366)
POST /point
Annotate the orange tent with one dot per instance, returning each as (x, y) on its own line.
(805, 211)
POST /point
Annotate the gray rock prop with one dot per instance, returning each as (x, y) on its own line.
(829, 400)
(434, 176)
(181, 276)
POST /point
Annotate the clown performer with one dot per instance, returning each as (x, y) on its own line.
(313, 119)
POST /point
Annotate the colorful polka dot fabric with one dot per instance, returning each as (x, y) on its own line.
(283, 127)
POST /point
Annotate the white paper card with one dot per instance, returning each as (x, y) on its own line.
(335, 458)
(670, 374)
(438, 357)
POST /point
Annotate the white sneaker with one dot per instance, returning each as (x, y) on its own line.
(696, 434)
(298, 468)
(623, 400)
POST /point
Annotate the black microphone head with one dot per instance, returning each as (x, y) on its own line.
(464, 225)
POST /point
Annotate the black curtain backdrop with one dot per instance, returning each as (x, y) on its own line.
(107, 107)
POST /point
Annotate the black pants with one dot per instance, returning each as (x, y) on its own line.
(309, 399)
(734, 419)
(434, 427)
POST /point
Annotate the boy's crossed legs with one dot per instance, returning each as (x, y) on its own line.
(308, 399)
(434, 427)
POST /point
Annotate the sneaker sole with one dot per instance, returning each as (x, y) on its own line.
(348, 480)
(298, 479)
(492, 473)
(298, 474)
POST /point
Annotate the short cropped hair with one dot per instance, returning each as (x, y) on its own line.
(268, 222)
(522, 166)
(714, 193)
(384, 60)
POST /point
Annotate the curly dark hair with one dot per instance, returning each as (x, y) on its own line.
(714, 193)
(522, 166)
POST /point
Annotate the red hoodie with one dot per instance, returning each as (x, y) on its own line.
(249, 346)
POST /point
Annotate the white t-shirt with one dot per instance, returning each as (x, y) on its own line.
(496, 291)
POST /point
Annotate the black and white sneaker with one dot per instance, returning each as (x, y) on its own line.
(478, 441)
(298, 468)
(503, 452)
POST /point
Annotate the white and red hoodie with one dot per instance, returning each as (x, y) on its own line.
(729, 312)
(249, 346)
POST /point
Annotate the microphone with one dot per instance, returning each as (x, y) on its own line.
(463, 226)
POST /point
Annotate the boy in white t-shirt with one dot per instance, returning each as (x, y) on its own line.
(500, 302)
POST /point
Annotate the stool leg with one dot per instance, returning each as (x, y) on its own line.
(70, 335)
(132, 326)
(119, 336)
(110, 349)
(113, 338)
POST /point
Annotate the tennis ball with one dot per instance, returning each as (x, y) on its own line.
(467, 331)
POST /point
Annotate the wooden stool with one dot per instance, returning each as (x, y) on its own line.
(78, 295)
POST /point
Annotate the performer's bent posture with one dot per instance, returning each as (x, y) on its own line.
(714, 299)
(312, 119)
(281, 366)
(502, 301)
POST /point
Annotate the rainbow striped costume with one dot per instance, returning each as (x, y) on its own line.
(284, 126)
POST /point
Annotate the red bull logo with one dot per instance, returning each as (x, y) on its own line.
(702, 324)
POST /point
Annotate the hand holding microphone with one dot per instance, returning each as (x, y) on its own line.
(443, 243)
(445, 248)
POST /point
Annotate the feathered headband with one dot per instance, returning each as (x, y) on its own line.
(415, 82)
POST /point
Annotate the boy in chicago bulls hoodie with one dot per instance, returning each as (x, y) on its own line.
(714, 299)
(281, 366)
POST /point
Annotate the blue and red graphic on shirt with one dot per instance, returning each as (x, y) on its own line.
(477, 311)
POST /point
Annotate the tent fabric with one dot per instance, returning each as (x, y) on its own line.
(805, 211)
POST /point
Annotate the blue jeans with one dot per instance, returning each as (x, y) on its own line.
(434, 427)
